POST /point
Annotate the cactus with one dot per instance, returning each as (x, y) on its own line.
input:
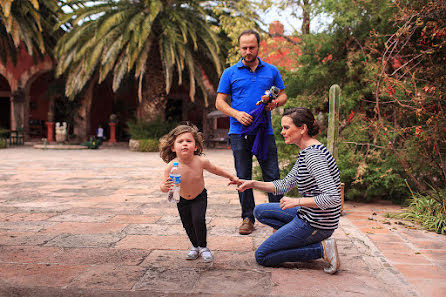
(333, 120)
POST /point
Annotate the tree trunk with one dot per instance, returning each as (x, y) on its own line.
(82, 120)
(305, 17)
(154, 97)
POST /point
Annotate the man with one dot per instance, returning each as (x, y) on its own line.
(246, 83)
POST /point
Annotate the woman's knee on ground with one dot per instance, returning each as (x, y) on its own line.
(260, 258)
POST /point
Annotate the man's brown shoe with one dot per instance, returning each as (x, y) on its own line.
(246, 227)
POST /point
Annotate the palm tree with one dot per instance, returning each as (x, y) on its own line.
(28, 22)
(153, 40)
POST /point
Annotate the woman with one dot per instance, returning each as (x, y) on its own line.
(304, 225)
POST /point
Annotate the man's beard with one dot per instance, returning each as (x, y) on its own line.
(250, 61)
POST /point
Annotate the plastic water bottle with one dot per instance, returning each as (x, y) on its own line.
(174, 193)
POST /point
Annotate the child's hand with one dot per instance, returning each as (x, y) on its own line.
(234, 181)
(166, 184)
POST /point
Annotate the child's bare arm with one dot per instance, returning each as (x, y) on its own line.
(166, 183)
(219, 171)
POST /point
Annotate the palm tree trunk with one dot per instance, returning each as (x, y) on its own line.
(82, 120)
(154, 97)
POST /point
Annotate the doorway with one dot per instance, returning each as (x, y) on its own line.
(5, 113)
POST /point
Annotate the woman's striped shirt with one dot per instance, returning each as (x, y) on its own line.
(316, 175)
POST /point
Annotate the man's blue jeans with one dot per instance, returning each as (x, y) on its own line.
(294, 241)
(241, 149)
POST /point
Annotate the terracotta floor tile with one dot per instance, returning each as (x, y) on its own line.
(385, 238)
(401, 247)
(435, 255)
(109, 277)
(374, 230)
(421, 272)
(25, 238)
(216, 221)
(40, 274)
(134, 219)
(99, 255)
(318, 283)
(431, 288)
(18, 217)
(26, 254)
(430, 244)
(255, 283)
(149, 242)
(4, 216)
(230, 243)
(85, 228)
(406, 258)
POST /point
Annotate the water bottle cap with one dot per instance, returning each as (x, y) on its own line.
(175, 163)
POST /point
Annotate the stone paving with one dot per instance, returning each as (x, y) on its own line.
(94, 223)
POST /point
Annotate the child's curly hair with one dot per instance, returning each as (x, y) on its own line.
(168, 140)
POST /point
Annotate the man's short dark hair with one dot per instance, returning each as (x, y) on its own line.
(249, 32)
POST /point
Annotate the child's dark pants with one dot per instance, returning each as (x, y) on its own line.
(193, 216)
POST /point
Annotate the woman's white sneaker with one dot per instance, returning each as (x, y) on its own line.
(205, 253)
(192, 254)
(331, 255)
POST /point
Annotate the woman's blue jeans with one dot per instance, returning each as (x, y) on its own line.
(294, 241)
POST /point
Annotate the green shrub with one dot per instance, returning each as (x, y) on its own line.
(368, 171)
(145, 130)
(428, 210)
(92, 144)
(2, 143)
(149, 145)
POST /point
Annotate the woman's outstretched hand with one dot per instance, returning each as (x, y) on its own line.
(245, 185)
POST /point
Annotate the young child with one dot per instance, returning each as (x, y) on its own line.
(184, 144)
(100, 133)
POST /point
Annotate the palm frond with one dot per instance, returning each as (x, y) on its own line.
(119, 72)
(116, 38)
(191, 68)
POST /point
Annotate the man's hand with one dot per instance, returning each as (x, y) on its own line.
(268, 106)
(244, 118)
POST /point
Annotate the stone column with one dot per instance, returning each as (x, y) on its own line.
(17, 109)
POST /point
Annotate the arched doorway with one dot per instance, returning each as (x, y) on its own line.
(122, 103)
(5, 104)
(38, 105)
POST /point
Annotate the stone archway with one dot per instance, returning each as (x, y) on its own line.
(25, 83)
(19, 77)
(38, 104)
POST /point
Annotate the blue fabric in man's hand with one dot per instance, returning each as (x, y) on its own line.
(260, 126)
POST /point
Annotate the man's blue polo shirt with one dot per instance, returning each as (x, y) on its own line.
(246, 88)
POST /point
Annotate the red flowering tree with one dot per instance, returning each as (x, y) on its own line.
(280, 50)
(410, 93)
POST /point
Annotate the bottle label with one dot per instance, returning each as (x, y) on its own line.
(176, 178)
